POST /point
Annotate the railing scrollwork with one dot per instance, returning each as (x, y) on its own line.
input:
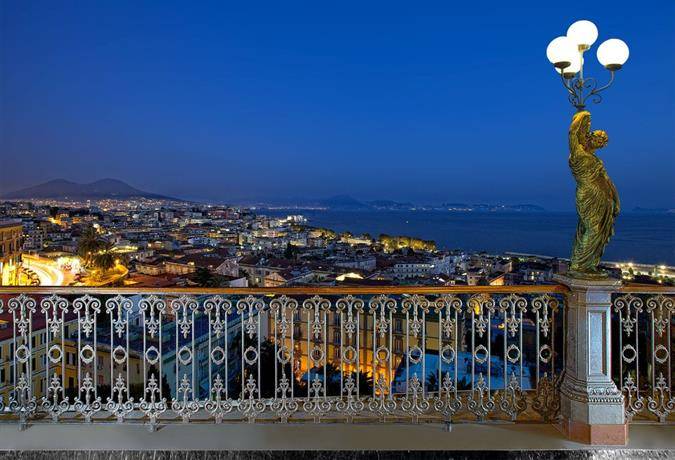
(156, 357)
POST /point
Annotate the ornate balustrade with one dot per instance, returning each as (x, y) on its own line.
(642, 348)
(157, 356)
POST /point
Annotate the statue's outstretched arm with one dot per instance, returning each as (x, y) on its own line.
(580, 127)
(579, 130)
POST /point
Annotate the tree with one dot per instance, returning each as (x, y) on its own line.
(89, 245)
(432, 381)
(204, 278)
(290, 252)
(104, 259)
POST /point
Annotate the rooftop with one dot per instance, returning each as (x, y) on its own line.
(7, 223)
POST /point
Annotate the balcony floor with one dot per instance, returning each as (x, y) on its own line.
(314, 437)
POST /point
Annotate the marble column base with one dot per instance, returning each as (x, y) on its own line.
(591, 405)
(603, 435)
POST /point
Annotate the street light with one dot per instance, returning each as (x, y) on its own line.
(597, 200)
(566, 53)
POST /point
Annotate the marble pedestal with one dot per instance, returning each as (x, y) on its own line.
(591, 404)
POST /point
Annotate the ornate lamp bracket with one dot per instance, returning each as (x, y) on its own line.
(580, 89)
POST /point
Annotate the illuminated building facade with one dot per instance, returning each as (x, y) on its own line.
(65, 366)
(10, 251)
(336, 343)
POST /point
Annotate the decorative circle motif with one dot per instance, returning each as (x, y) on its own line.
(545, 353)
(447, 354)
(382, 355)
(87, 354)
(22, 354)
(316, 355)
(218, 355)
(119, 354)
(513, 353)
(152, 355)
(250, 355)
(631, 355)
(55, 354)
(349, 354)
(185, 356)
(480, 354)
(415, 355)
(661, 354)
(283, 355)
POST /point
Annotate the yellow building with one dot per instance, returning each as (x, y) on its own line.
(66, 358)
(36, 363)
(380, 354)
(10, 251)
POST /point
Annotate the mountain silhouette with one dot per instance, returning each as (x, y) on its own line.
(342, 202)
(100, 189)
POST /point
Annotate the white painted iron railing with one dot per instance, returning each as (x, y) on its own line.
(294, 354)
(642, 347)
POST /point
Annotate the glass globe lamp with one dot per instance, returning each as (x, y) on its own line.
(571, 70)
(613, 53)
(583, 34)
(561, 52)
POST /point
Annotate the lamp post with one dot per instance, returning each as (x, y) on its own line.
(596, 198)
(566, 53)
(592, 407)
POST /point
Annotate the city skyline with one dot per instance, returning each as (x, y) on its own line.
(230, 105)
(115, 189)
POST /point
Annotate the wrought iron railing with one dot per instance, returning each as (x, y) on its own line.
(642, 349)
(158, 356)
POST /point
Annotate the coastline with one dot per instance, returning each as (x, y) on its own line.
(640, 237)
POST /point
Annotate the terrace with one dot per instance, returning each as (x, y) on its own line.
(575, 362)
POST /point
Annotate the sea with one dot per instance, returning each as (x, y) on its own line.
(639, 237)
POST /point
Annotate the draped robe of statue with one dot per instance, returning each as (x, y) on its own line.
(597, 200)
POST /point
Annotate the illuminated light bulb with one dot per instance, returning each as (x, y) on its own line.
(583, 34)
(613, 53)
(561, 51)
(571, 70)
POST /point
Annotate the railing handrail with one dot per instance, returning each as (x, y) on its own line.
(647, 289)
(301, 290)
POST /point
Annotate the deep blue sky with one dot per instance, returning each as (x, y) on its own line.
(419, 101)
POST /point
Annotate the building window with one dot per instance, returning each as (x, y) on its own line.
(398, 325)
(398, 345)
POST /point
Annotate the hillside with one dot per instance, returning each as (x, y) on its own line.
(101, 189)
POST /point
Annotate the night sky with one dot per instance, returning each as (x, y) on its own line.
(412, 101)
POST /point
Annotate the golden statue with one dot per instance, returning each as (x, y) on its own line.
(596, 197)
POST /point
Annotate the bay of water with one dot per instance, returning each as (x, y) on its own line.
(639, 237)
